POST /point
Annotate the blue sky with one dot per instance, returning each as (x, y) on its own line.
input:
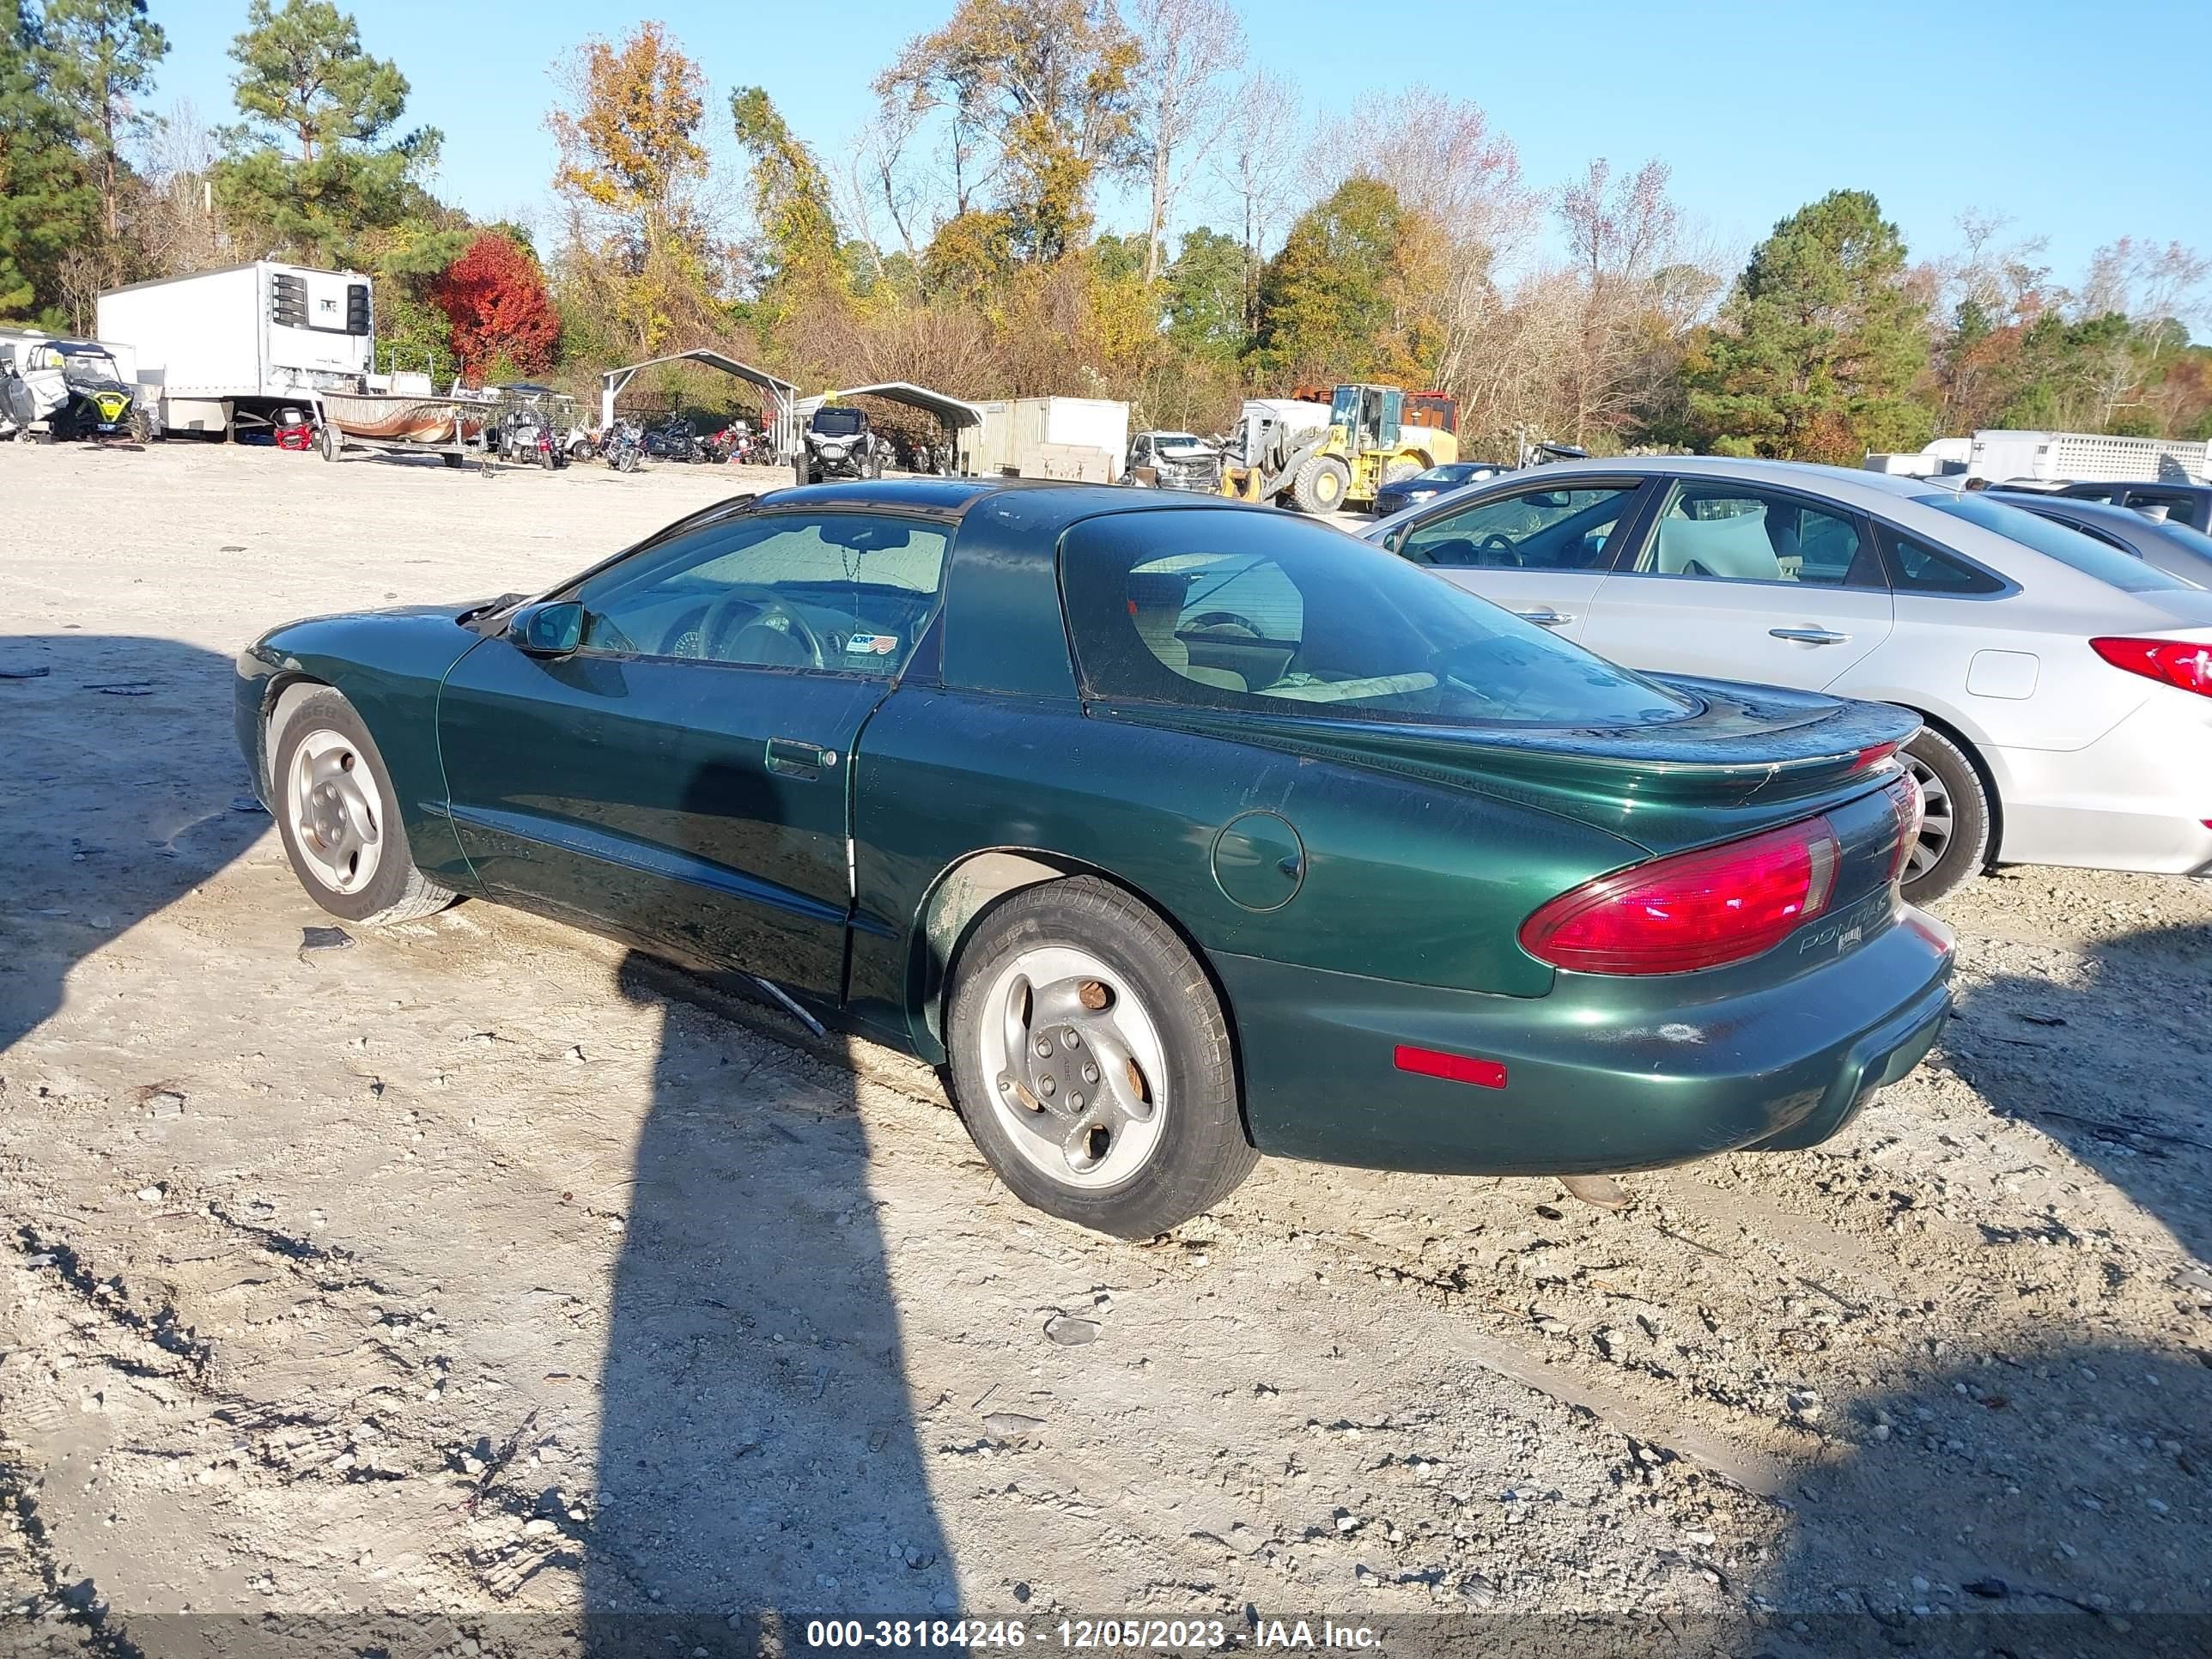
(2082, 122)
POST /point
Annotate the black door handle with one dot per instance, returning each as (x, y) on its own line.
(794, 758)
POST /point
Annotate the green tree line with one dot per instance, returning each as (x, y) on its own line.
(961, 243)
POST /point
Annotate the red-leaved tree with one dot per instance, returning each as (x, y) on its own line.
(496, 302)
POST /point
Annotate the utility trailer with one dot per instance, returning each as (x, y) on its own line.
(227, 349)
(1996, 455)
(1085, 438)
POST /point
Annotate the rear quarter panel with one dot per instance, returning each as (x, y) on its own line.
(1402, 879)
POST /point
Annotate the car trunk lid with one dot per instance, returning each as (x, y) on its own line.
(1744, 758)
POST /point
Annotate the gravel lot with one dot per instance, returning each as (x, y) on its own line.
(483, 1273)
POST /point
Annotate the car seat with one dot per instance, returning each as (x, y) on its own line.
(1156, 607)
(1736, 547)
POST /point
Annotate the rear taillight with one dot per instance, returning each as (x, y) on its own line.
(2184, 663)
(1910, 803)
(1692, 910)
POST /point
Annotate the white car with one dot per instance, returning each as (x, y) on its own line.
(2066, 687)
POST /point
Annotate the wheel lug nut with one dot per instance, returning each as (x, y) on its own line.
(1047, 1087)
(1089, 1072)
(1075, 1103)
(1074, 1038)
(1044, 1049)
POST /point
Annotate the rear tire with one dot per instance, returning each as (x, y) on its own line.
(1319, 487)
(327, 440)
(1161, 1138)
(1954, 836)
(338, 815)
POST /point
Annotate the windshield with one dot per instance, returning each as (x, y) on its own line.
(1176, 440)
(839, 422)
(1457, 473)
(1265, 613)
(2061, 542)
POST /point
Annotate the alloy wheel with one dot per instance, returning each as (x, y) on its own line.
(335, 811)
(1938, 822)
(1075, 1065)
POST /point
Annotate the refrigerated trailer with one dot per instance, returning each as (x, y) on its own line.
(230, 347)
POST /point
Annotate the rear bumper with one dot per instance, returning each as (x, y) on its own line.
(1602, 1075)
(2136, 799)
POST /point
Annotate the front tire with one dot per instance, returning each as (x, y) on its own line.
(337, 814)
(1319, 487)
(1091, 1063)
(1955, 833)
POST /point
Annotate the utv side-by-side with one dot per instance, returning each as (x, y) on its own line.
(838, 443)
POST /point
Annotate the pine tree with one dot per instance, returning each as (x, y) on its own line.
(1821, 348)
(47, 204)
(103, 54)
(316, 162)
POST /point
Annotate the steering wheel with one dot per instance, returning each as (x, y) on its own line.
(1497, 543)
(1214, 621)
(794, 645)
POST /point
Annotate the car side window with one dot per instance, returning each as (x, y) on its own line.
(2175, 503)
(1563, 528)
(1915, 567)
(1736, 532)
(846, 592)
(2093, 492)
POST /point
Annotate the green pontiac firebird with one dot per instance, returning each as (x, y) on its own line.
(1180, 831)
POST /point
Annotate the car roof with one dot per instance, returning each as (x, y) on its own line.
(1045, 500)
(1846, 482)
(2073, 506)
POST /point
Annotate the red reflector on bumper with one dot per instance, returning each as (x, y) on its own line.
(1453, 1068)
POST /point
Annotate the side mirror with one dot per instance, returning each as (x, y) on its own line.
(552, 629)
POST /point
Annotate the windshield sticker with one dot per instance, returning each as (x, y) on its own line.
(881, 645)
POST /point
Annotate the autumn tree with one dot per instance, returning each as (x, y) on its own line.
(494, 301)
(103, 52)
(1049, 83)
(1619, 232)
(1257, 171)
(1180, 95)
(320, 157)
(632, 167)
(1819, 348)
(801, 256)
(1347, 296)
(48, 205)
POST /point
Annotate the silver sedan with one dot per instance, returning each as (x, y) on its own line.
(2065, 685)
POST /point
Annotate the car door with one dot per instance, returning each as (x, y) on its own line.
(1743, 581)
(680, 777)
(1539, 550)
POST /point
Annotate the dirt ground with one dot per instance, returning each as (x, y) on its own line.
(481, 1274)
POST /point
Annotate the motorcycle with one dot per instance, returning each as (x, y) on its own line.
(623, 447)
(525, 437)
(675, 441)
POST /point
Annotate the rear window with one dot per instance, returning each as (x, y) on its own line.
(1268, 613)
(2057, 541)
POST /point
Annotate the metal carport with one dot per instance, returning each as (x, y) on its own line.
(956, 412)
(779, 397)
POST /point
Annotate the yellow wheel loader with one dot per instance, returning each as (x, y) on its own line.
(1319, 456)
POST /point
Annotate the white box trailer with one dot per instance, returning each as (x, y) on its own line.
(1996, 455)
(227, 347)
(1036, 438)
